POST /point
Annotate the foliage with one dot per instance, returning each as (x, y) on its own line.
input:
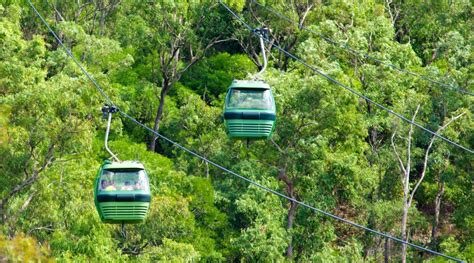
(330, 149)
(211, 77)
(23, 249)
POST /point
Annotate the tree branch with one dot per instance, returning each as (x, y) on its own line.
(277, 146)
(48, 159)
(425, 162)
(410, 135)
(49, 228)
(196, 58)
(303, 17)
(400, 162)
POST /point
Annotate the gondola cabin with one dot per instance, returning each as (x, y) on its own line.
(122, 192)
(250, 111)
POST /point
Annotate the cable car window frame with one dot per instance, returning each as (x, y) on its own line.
(266, 97)
(140, 176)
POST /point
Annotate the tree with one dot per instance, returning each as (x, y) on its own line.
(172, 37)
(211, 77)
(41, 127)
(285, 33)
(23, 248)
(406, 167)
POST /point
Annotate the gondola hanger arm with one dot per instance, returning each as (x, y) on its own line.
(107, 112)
(262, 33)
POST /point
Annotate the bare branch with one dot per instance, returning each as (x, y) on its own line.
(400, 162)
(48, 228)
(425, 162)
(58, 14)
(27, 202)
(303, 17)
(25, 205)
(196, 58)
(410, 135)
(277, 146)
(30, 180)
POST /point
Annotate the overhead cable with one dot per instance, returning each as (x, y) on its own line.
(69, 53)
(267, 189)
(363, 54)
(353, 91)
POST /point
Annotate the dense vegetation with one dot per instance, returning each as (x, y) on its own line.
(168, 64)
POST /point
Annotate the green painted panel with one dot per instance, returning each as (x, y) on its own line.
(255, 129)
(123, 212)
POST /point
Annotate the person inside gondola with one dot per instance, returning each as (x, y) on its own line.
(138, 186)
(110, 187)
(235, 99)
(127, 186)
(103, 185)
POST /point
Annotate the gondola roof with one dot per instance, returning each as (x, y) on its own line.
(249, 84)
(124, 165)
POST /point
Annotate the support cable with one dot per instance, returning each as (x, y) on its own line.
(363, 54)
(353, 91)
(69, 53)
(267, 189)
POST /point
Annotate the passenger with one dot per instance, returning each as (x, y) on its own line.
(138, 186)
(110, 187)
(234, 99)
(103, 184)
(248, 103)
(127, 186)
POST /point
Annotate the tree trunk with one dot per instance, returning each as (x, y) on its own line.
(406, 206)
(407, 196)
(404, 228)
(102, 11)
(3, 216)
(386, 254)
(439, 196)
(291, 218)
(291, 210)
(406, 189)
(159, 113)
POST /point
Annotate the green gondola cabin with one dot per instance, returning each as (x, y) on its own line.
(250, 111)
(122, 192)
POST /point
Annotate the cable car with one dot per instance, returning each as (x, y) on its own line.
(122, 192)
(250, 111)
(121, 188)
